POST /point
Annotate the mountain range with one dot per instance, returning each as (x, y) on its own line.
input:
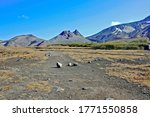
(123, 31)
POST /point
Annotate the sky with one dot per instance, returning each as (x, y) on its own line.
(47, 18)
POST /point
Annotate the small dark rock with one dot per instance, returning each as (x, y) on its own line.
(75, 64)
(84, 89)
(70, 80)
(48, 54)
(19, 59)
(89, 61)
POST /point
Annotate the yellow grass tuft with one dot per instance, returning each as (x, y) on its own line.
(42, 86)
(5, 88)
(6, 74)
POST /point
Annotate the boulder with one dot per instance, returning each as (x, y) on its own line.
(70, 64)
(59, 65)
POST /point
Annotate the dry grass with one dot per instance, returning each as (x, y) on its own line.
(5, 88)
(39, 86)
(6, 74)
(131, 72)
(86, 54)
(20, 52)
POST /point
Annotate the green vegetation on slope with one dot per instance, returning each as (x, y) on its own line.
(134, 44)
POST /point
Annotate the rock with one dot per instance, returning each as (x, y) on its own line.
(89, 61)
(145, 91)
(75, 64)
(48, 54)
(70, 64)
(84, 88)
(59, 89)
(70, 80)
(49, 79)
(59, 65)
(19, 59)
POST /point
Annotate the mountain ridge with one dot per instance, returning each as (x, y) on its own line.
(123, 31)
(127, 31)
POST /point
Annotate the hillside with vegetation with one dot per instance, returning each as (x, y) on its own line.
(134, 44)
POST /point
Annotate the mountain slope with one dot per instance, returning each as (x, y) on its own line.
(68, 37)
(24, 40)
(123, 31)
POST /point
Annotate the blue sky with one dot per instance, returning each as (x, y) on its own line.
(47, 18)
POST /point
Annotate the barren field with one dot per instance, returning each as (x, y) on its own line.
(32, 74)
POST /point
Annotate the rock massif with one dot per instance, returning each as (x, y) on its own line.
(68, 37)
(124, 31)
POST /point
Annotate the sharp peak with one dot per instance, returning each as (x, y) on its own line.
(65, 32)
(76, 32)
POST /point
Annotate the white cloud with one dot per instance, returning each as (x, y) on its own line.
(23, 17)
(113, 23)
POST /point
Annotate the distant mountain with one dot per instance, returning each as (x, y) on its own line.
(24, 40)
(124, 31)
(68, 37)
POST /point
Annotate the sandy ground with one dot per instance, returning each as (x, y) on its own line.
(42, 80)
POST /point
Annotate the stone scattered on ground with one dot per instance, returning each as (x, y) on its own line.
(84, 82)
(75, 64)
(89, 61)
(59, 65)
(59, 89)
(70, 64)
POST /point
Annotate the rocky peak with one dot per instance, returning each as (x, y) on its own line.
(76, 32)
(63, 33)
(67, 34)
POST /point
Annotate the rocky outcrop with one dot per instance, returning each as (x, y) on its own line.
(68, 37)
